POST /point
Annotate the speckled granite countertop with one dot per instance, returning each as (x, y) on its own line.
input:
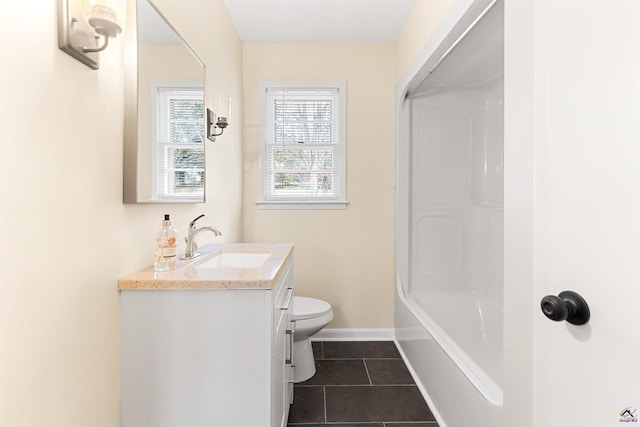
(198, 274)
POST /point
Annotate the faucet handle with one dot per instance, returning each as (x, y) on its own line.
(193, 223)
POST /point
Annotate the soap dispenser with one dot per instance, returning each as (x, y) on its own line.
(166, 251)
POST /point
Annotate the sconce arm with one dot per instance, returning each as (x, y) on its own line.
(97, 49)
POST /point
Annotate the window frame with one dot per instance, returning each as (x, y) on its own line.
(265, 200)
(157, 119)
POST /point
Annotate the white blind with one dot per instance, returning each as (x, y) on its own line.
(302, 144)
(180, 142)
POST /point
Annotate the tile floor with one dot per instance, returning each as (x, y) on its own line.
(359, 384)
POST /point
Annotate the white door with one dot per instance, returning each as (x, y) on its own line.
(586, 210)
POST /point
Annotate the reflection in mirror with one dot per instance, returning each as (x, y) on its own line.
(164, 125)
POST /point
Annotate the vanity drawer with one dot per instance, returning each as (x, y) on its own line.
(280, 291)
(283, 300)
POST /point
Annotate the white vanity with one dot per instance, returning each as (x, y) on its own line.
(209, 344)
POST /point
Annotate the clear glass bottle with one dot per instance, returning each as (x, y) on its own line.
(166, 250)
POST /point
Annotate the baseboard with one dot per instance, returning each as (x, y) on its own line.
(368, 334)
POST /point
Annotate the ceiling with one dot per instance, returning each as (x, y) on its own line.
(318, 21)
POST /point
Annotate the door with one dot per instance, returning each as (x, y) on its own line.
(586, 211)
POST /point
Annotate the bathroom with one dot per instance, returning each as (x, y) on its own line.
(68, 236)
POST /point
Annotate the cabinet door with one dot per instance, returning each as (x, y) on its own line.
(278, 385)
(291, 326)
(290, 369)
(181, 359)
(281, 354)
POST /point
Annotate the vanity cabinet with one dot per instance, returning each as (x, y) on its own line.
(208, 357)
(281, 362)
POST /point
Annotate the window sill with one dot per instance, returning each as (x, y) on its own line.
(306, 205)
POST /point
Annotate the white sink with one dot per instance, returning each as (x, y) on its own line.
(235, 260)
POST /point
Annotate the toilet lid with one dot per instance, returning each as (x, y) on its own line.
(306, 308)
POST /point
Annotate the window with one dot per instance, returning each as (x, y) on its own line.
(302, 145)
(178, 145)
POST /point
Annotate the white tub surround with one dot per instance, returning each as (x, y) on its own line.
(201, 273)
(450, 217)
(209, 343)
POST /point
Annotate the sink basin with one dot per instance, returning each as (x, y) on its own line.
(235, 260)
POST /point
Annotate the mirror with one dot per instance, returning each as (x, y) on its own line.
(164, 160)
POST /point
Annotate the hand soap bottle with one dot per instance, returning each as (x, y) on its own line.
(166, 251)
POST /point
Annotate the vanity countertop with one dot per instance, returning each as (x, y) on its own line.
(199, 274)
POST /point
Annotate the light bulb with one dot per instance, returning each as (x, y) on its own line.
(106, 16)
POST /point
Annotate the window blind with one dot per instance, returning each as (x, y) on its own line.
(302, 144)
(180, 142)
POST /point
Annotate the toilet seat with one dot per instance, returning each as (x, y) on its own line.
(309, 308)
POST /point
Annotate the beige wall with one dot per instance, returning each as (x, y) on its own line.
(343, 256)
(424, 19)
(66, 234)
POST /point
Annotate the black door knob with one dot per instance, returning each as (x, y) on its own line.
(568, 306)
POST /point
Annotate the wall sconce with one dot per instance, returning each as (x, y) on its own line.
(85, 27)
(214, 122)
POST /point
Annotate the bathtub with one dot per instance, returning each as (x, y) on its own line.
(461, 382)
(450, 218)
(469, 326)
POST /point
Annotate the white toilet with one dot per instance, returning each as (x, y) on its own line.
(310, 315)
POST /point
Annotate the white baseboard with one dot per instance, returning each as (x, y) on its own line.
(368, 334)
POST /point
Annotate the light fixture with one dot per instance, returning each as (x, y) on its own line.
(85, 27)
(223, 106)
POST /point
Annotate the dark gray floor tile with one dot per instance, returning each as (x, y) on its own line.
(308, 405)
(375, 404)
(339, 425)
(316, 346)
(339, 372)
(359, 349)
(388, 372)
(422, 424)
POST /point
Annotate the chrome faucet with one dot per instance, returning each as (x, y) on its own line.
(191, 251)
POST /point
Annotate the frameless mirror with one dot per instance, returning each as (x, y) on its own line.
(164, 159)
